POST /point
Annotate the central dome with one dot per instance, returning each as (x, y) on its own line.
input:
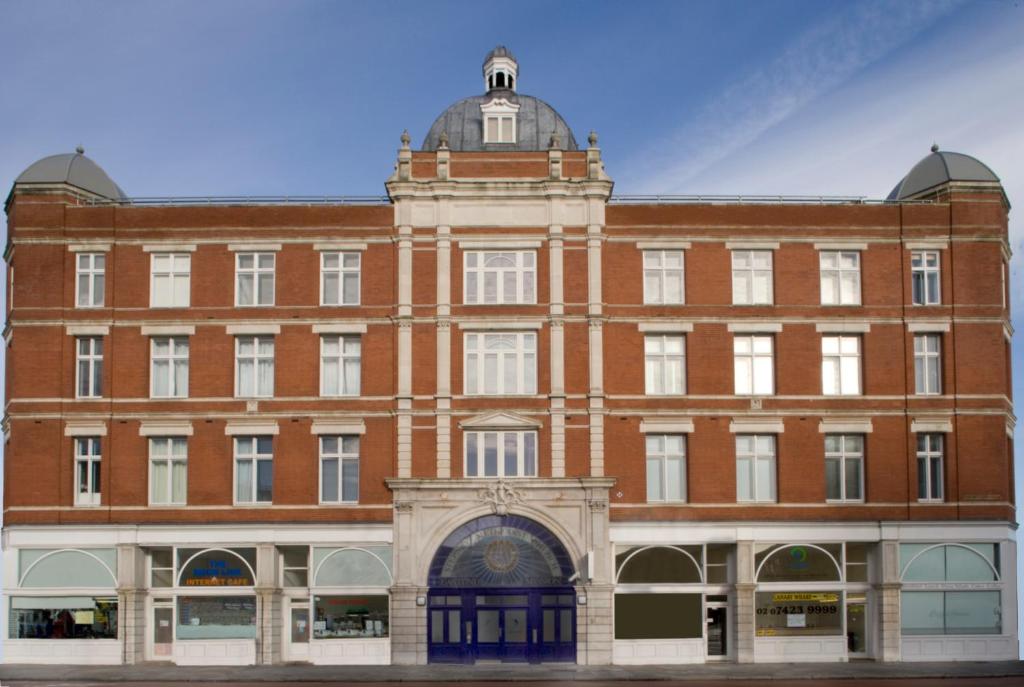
(532, 121)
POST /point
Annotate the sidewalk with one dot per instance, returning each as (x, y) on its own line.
(509, 672)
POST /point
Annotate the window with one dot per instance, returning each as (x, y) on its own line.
(844, 467)
(501, 363)
(161, 567)
(56, 617)
(840, 277)
(840, 365)
(170, 367)
(755, 467)
(254, 366)
(924, 276)
(500, 277)
(168, 471)
(216, 617)
(339, 469)
(927, 364)
(254, 278)
(753, 363)
(339, 278)
(666, 467)
(350, 616)
(254, 469)
(663, 277)
(665, 364)
(500, 129)
(171, 281)
(929, 467)
(339, 365)
(751, 277)
(89, 283)
(951, 589)
(501, 454)
(89, 368)
(87, 471)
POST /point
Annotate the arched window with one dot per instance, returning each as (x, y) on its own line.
(949, 563)
(799, 563)
(216, 568)
(351, 568)
(658, 565)
(68, 568)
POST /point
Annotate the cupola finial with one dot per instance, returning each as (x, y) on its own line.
(935, 147)
(80, 149)
(500, 70)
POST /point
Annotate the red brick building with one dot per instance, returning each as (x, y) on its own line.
(505, 414)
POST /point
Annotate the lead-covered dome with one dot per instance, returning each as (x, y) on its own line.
(501, 119)
(74, 169)
(941, 167)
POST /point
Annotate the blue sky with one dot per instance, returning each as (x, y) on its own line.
(309, 98)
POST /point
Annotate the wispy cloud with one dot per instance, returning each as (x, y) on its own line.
(811, 65)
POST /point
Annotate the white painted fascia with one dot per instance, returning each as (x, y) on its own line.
(666, 425)
(169, 248)
(87, 329)
(254, 329)
(255, 428)
(919, 326)
(667, 326)
(338, 426)
(845, 427)
(254, 247)
(168, 330)
(843, 327)
(929, 424)
(165, 429)
(74, 428)
(758, 425)
(755, 327)
(340, 328)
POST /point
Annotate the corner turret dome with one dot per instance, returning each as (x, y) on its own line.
(938, 168)
(73, 169)
(502, 118)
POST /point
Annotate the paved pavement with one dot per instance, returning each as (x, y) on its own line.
(1011, 672)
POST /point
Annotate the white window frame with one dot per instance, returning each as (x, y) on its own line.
(505, 127)
(88, 455)
(921, 272)
(744, 277)
(254, 273)
(761, 378)
(255, 359)
(163, 283)
(343, 457)
(840, 365)
(169, 459)
(924, 360)
(657, 271)
(91, 362)
(476, 272)
(480, 439)
(95, 279)
(340, 360)
(754, 457)
(842, 455)
(658, 455)
(835, 274)
(172, 360)
(255, 458)
(522, 356)
(934, 450)
(340, 271)
(657, 359)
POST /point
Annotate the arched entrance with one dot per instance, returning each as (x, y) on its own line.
(500, 590)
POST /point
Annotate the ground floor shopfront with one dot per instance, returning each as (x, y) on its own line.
(502, 575)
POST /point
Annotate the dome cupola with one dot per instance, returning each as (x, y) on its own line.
(500, 70)
(73, 169)
(942, 167)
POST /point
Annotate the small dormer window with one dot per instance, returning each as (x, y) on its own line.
(499, 121)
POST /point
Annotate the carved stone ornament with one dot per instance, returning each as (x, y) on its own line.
(598, 506)
(500, 495)
(403, 506)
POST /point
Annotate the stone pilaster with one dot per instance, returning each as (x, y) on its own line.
(268, 606)
(408, 626)
(887, 593)
(744, 602)
(131, 602)
(594, 634)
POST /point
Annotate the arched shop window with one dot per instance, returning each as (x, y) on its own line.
(351, 615)
(799, 611)
(351, 567)
(69, 568)
(659, 565)
(225, 616)
(932, 610)
(217, 567)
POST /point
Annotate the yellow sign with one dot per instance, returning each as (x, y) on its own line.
(806, 596)
(84, 617)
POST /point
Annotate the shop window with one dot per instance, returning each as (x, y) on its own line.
(66, 568)
(216, 617)
(951, 613)
(798, 614)
(161, 567)
(295, 561)
(717, 564)
(217, 567)
(798, 563)
(975, 562)
(63, 617)
(659, 565)
(857, 562)
(352, 567)
(659, 616)
(341, 617)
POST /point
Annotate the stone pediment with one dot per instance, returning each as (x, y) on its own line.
(499, 420)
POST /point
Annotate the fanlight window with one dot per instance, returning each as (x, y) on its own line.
(799, 563)
(67, 568)
(658, 565)
(949, 563)
(217, 567)
(352, 567)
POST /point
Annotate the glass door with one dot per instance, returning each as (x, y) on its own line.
(297, 646)
(502, 627)
(163, 632)
(447, 630)
(718, 631)
(557, 628)
(856, 626)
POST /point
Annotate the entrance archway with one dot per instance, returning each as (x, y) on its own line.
(501, 590)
